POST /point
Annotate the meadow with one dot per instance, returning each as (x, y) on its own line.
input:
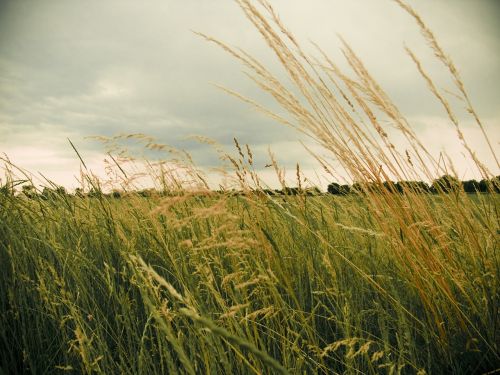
(213, 283)
(202, 282)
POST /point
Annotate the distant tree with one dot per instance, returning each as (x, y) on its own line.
(291, 191)
(333, 188)
(412, 186)
(495, 181)
(337, 189)
(471, 186)
(116, 194)
(490, 186)
(269, 192)
(393, 187)
(345, 189)
(446, 184)
(483, 186)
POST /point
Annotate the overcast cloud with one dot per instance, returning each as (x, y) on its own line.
(74, 69)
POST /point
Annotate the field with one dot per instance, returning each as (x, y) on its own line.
(212, 283)
(186, 279)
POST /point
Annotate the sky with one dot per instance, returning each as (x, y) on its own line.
(76, 69)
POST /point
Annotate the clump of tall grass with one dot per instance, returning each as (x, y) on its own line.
(194, 281)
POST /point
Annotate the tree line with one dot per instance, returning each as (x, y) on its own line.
(445, 183)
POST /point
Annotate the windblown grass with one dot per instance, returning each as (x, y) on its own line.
(219, 284)
(205, 282)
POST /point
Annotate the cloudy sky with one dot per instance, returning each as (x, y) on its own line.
(74, 69)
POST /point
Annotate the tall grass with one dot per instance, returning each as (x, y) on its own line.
(203, 282)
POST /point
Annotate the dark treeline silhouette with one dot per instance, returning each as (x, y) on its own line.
(29, 191)
(444, 184)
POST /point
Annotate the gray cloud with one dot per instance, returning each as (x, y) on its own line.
(74, 69)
